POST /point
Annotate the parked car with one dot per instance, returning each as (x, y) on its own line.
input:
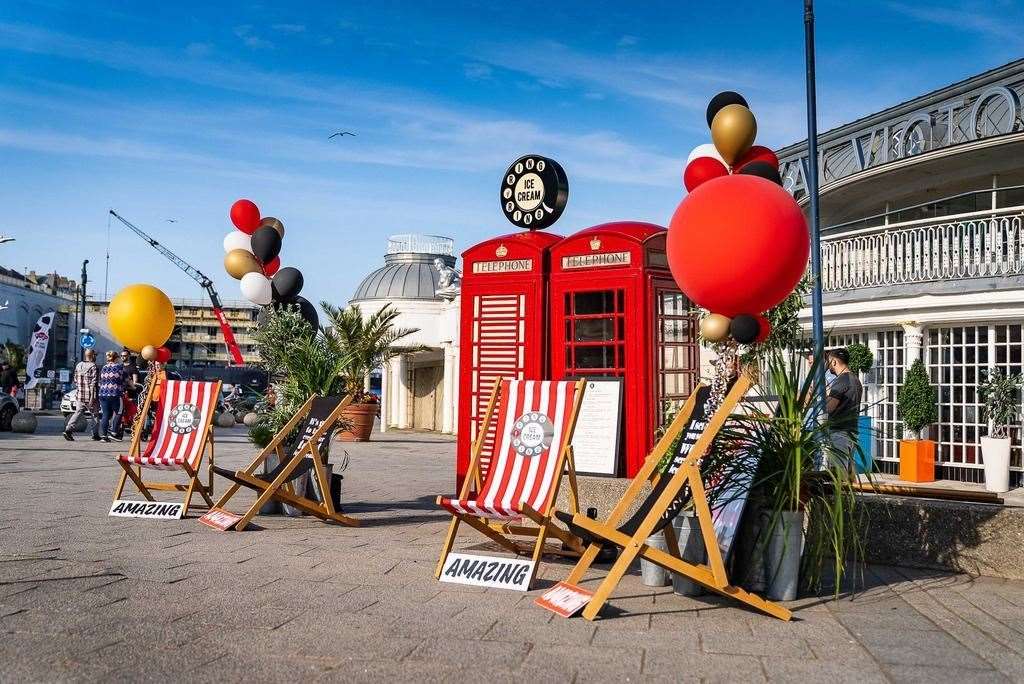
(8, 407)
(69, 402)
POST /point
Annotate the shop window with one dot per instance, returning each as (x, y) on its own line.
(595, 333)
(678, 357)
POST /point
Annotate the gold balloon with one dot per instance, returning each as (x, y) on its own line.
(733, 131)
(149, 352)
(140, 316)
(273, 223)
(238, 262)
(715, 328)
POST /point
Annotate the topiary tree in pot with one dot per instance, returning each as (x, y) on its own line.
(1001, 394)
(917, 407)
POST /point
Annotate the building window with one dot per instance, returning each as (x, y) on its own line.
(890, 368)
(678, 355)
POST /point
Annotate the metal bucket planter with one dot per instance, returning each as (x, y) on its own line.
(692, 550)
(654, 575)
(782, 556)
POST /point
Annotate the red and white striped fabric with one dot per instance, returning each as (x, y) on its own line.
(532, 425)
(182, 423)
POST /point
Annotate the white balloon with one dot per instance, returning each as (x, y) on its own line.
(256, 288)
(236, 239)
(705, 150)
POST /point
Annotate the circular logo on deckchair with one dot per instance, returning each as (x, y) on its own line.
(532, 433)
(184, 419)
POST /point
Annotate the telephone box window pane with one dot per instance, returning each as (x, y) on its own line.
(595, 330)
(595, 357)
(585, 303)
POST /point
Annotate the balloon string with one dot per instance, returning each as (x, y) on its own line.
(724, 363)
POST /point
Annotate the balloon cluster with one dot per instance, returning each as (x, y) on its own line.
(252, 256)
(738, 243)
(733, 129)
(141, 317)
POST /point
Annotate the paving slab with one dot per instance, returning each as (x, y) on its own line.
(85, 597)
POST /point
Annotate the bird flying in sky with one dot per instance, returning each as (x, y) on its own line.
(172, 220)
(341, 133)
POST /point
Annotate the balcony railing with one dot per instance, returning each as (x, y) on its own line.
(975, 245)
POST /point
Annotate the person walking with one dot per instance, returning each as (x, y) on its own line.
(87, 378)
(112, 380)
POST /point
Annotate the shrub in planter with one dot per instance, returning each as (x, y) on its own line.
(861, 358)
(917, 407)
(1001, 394)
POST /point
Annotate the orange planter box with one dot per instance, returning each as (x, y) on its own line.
(917, 460)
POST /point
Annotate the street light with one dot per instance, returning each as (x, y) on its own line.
(812, 194)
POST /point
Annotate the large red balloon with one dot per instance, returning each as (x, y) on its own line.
(756, 153)
(246, 216)
(272, 266)
(738, 244)
(702, 169)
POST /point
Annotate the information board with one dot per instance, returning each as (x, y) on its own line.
(597, 439)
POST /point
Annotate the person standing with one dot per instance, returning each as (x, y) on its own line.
(843, 403)
(8, 379)
(131, 374)
(87, 378)
(112, 378)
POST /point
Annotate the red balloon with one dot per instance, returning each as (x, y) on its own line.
(246, 216)
(738, 243)
(766, 328)
(272, 266)
(756, 153)
(702, 169)
(163, 354)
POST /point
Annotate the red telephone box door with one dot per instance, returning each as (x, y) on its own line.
(503, 327)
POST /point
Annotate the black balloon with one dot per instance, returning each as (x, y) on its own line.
(307, 311)
(744, 328)
(723, 99)
(286, 284)
(764, 170)
(266, 243)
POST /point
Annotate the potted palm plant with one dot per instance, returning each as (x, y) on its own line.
(370, 341)
(916, 406)
(801, 477)
(1001, 394)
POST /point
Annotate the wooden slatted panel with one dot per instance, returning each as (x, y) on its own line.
(499, 325)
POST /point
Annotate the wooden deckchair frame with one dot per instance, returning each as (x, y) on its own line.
(280, 488)
(501, 532)
(711, 574)
(134, 471)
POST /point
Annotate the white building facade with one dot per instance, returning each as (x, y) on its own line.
(419, 388)
(923, 254)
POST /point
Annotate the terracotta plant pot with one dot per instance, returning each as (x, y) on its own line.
(917, 460)
(360, 418)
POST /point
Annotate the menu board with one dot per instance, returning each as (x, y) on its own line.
(596, 441)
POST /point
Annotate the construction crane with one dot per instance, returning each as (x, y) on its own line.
(198, 276)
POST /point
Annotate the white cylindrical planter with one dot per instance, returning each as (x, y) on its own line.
(654, 575)
(785, 544)
(995, 453)
(692, 550)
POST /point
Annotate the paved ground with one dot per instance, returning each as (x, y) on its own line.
(87, 597)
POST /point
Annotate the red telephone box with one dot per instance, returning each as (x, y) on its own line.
(616, 311)
(503, 325)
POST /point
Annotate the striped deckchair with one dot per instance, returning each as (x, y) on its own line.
(535, 423)
(181, 434)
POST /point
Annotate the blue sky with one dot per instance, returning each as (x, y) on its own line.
(174, 110)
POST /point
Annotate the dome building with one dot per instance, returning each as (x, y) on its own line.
(418, 388)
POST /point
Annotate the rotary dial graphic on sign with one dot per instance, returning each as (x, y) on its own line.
(531, 434)
(184, 419)
(534, 192)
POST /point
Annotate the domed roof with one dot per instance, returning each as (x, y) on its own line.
(408, 271)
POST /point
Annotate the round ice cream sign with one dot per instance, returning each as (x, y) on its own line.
(534, 192)
(531, 434)
(184, 419)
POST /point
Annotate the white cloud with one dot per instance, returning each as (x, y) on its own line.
(476, 71)
(289, 28)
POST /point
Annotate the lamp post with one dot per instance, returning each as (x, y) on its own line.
(85, 279)
(812, 194)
